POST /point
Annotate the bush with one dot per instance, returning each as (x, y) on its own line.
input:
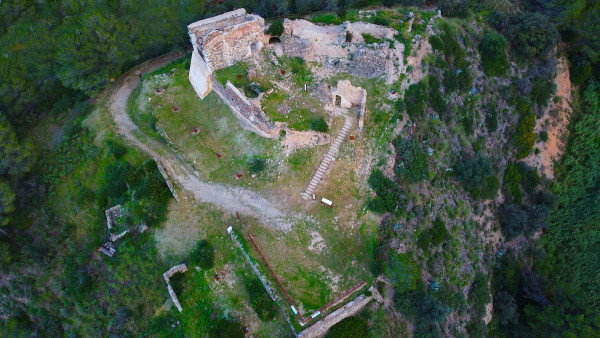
(454, 8)
(256, 164)
(531, 35)
(369, 39)
(403, 271)
(543, 136)
(415, 99)
(203, 255)
(581, 69)
(512, 220)
(525, 138)
(327, 19)
(479, 295)
(319, 125)
(491, 120)
(226, 328)
(353, 327)
(477, 176)
(411, 160)
(512, 181)
(493, 54)
(436, 99)
(260, 301)
(542, 90)
(450, 80)
(116, 149)
(436, 43)
(276, 28)
(435, 235)
(153, 194)
(389, 196)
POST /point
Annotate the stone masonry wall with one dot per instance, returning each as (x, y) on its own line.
(224, 48)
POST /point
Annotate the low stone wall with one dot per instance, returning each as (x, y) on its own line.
(167, 275)
(167, 180)
(351, 308)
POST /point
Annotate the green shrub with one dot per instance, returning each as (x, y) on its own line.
(454, 8)
(203, 255)
(327, 19)
(479, 295)
(260, 301)
(403, 271)
(436, 99)
(256, 164)
(379, 20)
(353, 327)
(319, 125)
(477, 176)
(226, 328)
(525, 137)
(513, 220)
(435, 235)
(116, 149)
(415, 99)
(450, 80)
(543, 136)
(581, 69)
(436, 43)
(491, 120)
(369, 39)
(493, 54)
(152, 194)
(531, 35)
(512, 181)
(542, 90)
(276, 28)
(389, 197)
(411, 160)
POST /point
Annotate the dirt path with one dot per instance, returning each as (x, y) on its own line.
(232, 199)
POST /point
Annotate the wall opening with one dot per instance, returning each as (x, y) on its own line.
(274, 40)
(254, 48)
(338, 101)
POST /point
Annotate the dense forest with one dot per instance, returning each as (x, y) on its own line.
(58, 56)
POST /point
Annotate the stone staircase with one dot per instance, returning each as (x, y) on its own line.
(329, 157)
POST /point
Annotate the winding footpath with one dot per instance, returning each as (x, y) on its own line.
(231, 199)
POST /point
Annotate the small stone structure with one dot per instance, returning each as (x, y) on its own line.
(350, 97)
(220, 42)
(167, 276)
(112, 215)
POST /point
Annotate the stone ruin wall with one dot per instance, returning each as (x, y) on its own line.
(224, 48)
(181, 268)
(250, 117)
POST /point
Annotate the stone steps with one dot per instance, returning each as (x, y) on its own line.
(327, 160)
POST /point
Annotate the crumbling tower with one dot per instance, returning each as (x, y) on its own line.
(220, 42)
